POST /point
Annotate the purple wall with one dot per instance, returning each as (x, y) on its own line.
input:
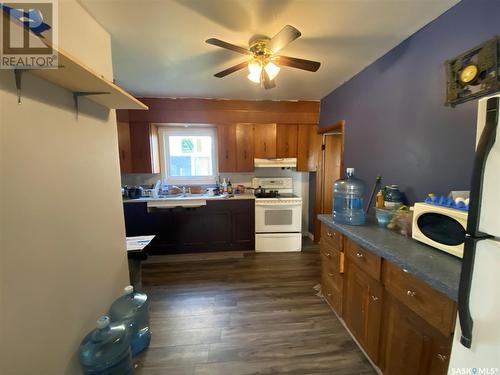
(396, 122)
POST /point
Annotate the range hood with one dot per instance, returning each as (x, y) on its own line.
(276, 163)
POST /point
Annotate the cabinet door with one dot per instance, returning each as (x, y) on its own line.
(265, 141)
(244, 148)
(410, 345)
(286, 141)
(124, 149)
(226, 145)
(363, 308)
(144, 147)
(243, 225)
(314, 149)
(303, 135)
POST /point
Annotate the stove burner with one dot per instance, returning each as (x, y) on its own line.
(267, 194)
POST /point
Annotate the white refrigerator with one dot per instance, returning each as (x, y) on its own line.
(476, 345)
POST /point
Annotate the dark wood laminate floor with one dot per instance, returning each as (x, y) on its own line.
(243, 313)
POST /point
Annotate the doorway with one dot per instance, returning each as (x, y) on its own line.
(330, 169)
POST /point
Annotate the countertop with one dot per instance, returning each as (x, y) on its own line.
(437, 268)
(192, 197)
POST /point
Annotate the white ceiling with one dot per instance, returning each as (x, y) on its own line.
(159, 46)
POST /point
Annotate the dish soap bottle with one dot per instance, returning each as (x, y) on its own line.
(348, 200)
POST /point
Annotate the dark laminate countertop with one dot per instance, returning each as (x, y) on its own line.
(438, 269)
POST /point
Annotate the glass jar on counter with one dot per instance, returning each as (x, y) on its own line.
(393, 198)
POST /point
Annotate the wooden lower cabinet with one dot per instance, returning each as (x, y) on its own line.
(410, 345)
(362, 308)
(332, 280)
(217, 226)
(403, 324)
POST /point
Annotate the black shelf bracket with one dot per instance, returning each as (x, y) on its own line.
(18, 75)
(78, 94)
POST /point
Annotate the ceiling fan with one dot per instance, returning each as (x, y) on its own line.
(264, 64)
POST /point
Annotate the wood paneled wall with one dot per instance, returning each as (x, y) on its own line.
(217, 111)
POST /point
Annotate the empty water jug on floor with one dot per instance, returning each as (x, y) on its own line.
(348, 200)
(106, 350)
(132, 310)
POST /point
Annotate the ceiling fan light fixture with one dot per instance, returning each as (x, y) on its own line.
(255, 70)
(272, 70)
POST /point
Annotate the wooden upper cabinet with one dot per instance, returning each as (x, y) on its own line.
(226, 146)
(315, 142)
(244, 148)
(138, 147)
(265, 141)
(362, 308)
(286, 141)
(124, 147)
(410, 345)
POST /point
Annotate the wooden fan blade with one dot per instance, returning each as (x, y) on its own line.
(294, 62)
(266, 82)
(232, 69)
(229, 46)
(287, 35)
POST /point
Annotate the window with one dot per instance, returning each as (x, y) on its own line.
(188, 154)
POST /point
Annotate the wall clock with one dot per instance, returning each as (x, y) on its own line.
(474, 73)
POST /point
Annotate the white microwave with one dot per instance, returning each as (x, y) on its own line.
(440, 227)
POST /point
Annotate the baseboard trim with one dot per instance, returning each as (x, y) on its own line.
(375, 367)
(308, 235)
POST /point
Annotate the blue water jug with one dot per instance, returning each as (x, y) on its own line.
(348, 200)
(132, 310)
(106, 350)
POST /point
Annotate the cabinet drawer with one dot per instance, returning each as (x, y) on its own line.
(364, 259)
(332, 237)
(332, 286)
(332, 256)
(436, 308)
(331, 270)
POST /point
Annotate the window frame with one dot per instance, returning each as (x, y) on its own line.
(164, 131)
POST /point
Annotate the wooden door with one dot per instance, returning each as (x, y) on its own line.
(265, 141)
(226, 145)
(410, 345)
(332, 169)
(244, 148)
(362, 308)
(286, 141)
(124, 147)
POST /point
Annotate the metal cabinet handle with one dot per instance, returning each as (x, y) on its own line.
(375, 298)
(330, 274)
(360, 255)
(227, 154)
(245, 154)
(330, 234)
(265, 146)
(442, 357)
(410, 293)
(328, 255)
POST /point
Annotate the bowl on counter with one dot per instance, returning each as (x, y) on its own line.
(384, 216)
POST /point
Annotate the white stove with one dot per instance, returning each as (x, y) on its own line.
(278, 219)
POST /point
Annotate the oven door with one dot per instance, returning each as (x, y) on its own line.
(278, 217)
